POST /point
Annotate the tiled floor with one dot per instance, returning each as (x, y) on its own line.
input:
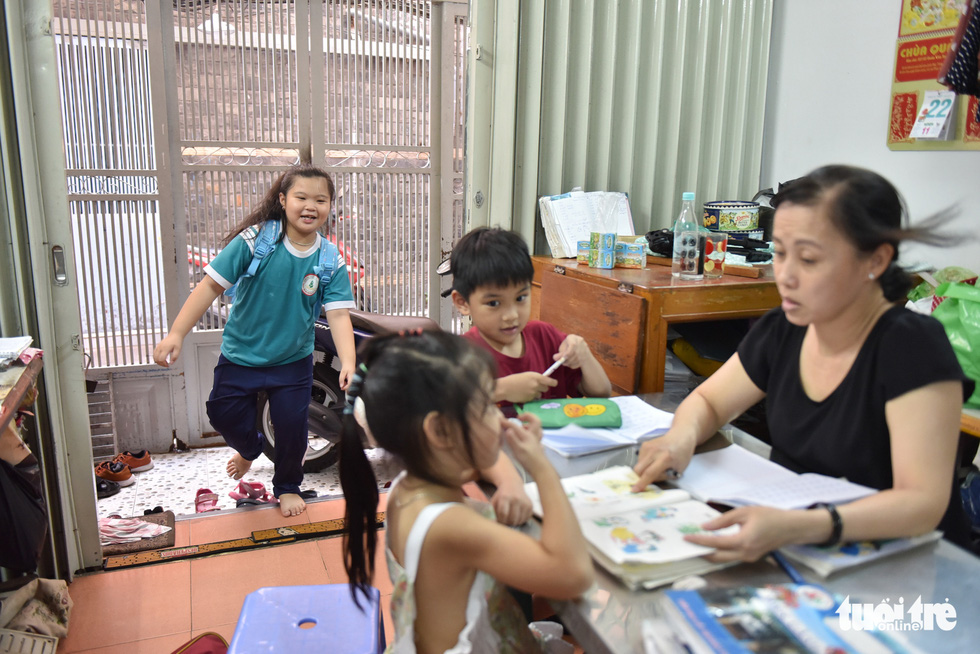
(157, 608)
(175, 478)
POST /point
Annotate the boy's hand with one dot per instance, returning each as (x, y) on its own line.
(575, 351)
(523, 387)
(525, 441)
(169, 346)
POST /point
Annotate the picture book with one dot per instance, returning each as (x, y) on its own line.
(826, 561)
(639, 537)
(571, 217)
(782, 618)
(734, 476)
(639, 422)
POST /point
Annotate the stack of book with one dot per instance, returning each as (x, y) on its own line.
(638, 537)
(572, 217)
(640, 422)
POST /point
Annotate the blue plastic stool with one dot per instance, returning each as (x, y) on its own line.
(296, 619)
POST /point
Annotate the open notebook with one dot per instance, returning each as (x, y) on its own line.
(734, 476)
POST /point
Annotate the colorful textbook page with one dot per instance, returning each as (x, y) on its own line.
(633, 528)
(782, 618)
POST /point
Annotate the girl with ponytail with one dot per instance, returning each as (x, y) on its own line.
(427, 398)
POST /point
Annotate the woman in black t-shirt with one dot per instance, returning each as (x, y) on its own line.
(855, 385)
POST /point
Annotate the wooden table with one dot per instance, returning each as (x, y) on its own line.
(624, 313)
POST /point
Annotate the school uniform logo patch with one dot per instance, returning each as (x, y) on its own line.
(310, 284)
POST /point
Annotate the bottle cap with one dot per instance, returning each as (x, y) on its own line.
(688, 196)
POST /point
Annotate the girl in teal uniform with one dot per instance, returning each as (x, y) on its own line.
(267, 343)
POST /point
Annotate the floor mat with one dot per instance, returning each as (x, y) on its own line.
(167, 519)
(175, 478)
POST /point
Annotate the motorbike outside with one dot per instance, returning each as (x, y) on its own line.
(327, 401)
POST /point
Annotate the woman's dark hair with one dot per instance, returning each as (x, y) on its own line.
(869, 211)
(270, 207)
(401, 380)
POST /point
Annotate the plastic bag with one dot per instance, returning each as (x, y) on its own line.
(960, 315)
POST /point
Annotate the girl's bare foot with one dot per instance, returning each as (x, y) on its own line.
(237, 466)
(291, 504)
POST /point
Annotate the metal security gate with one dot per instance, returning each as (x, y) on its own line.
(179, 114)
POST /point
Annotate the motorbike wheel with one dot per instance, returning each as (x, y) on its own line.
(325, 427)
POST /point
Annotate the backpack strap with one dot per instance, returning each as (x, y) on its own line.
(265, 243)
(327, 264)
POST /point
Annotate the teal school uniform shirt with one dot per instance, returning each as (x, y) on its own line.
(271, 323)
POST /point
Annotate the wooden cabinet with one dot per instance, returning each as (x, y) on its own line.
(624, 313)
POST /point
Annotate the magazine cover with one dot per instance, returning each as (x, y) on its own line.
(779, 618)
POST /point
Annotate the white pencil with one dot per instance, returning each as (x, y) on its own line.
(554, 367)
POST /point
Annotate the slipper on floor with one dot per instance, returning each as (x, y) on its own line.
(308, 494)
(248, 490)
(205, 501)
(266, 498)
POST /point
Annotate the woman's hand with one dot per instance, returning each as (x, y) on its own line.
(669, 452)
(762, 529)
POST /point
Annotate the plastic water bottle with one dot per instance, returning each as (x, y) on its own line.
(685, 264)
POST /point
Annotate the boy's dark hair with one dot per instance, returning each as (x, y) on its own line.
(401, 379)
(269, 208)
(489, 256)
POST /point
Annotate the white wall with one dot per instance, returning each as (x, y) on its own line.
(830, 76)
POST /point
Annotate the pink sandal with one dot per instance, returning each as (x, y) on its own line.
(206, 501)
(248, 490)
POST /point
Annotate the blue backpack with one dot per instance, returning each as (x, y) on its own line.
(265, 244)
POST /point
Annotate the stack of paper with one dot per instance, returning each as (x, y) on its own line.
(12, 348)
(641, 422)
(572, 217)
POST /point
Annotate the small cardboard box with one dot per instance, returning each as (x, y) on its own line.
(631, 255)
(582, 255)
(603, 241)
(601, 258)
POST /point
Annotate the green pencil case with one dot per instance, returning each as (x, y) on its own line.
(581, 411)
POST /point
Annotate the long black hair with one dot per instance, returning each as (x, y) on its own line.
(270, 208)
(402, 379)
(869, 211)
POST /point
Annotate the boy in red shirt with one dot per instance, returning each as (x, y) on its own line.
(492, 275)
